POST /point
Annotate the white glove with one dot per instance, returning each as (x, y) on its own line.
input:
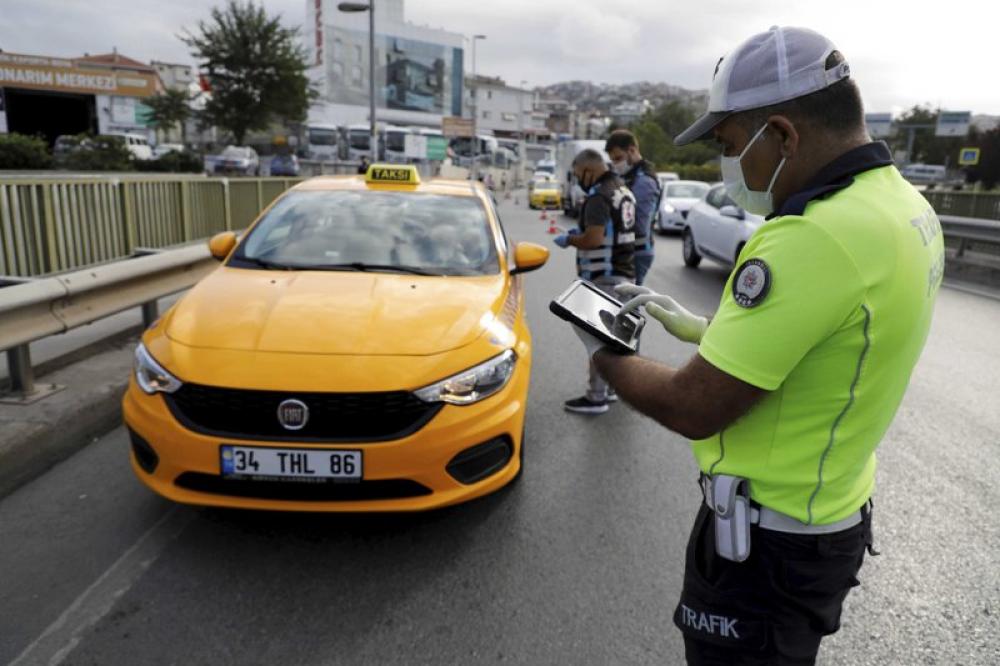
(589, 341)
(679, 323)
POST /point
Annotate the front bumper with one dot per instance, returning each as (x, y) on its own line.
(673, 221)
(420, 458)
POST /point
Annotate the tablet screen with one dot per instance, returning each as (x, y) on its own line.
(599, 310)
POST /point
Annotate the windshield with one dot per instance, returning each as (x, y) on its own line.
(359, 139)
(358, 230)
(395, 141)
(322, 137)
(546, 186)
(236, 153)
(687, 191)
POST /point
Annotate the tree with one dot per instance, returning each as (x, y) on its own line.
(170, 109)
(256, 69)
(927, 148)
(18, 151)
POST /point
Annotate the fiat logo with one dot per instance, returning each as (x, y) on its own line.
(293, 414)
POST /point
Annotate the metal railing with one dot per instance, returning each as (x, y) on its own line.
(968, 234)
(981, 205)
(36, 308)
(53, 225)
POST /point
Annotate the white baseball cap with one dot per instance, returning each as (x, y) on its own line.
(769, 68)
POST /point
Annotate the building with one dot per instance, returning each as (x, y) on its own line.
(503, 110)
(560, 116)
(175, 76)
(628, 113)
(418, 71)
(48, 96)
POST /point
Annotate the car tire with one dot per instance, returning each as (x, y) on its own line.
(690, 250)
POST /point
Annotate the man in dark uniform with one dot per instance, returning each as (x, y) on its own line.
(604, 242)
(640, 176)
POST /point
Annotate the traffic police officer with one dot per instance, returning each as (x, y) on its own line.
(626, 160)
(800, 372)
(604, 245)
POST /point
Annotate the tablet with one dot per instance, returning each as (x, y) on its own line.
(591, 309)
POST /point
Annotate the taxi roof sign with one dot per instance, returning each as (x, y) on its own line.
(396, 174)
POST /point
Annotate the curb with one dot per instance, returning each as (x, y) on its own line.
(34, 438)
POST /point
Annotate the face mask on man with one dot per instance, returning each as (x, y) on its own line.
(620, 167)
(752, 201)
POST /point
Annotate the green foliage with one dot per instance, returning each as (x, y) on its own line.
(173, 162)
(987, 172)
(169, 109)
(97, 153)
(927, 148)
(655, 132)
(709, 173)
(255, 66)
(18, 151)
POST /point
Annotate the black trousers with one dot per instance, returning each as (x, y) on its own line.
(773, 608)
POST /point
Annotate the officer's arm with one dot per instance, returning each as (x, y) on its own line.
(696, 401)
(591, 239)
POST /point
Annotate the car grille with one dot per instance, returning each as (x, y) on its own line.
(684, 214)
(354, 417)
(302, 491)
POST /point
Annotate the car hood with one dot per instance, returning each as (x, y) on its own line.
(322, 312)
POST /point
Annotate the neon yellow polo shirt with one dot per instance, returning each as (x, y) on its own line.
(828, 310)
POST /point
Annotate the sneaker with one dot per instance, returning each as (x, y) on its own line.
(585, 405)
(612, 396)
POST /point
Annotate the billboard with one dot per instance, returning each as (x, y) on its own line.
(953, 123)
(879, 124)
(410, 75)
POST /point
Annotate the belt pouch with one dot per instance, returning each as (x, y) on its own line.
(731, 505)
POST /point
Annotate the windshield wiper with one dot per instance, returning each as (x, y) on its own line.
(264, 263)
(361, 266)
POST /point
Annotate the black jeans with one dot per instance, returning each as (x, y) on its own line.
(773, 608)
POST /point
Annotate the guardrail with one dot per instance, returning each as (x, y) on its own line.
(967, 234)
(34, 309)
(981, 205)
(53, 225)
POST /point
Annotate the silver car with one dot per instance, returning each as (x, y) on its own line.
(717, 228)
(675, 201)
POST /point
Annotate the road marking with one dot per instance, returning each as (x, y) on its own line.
(63, 635)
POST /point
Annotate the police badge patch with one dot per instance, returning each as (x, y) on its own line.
(751, 283)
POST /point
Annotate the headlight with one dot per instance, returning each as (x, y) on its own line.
(150, 375)
(474, 384)
(667, 208)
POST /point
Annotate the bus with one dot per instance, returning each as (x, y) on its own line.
(323, 142)
(358, 142)
(394, 143)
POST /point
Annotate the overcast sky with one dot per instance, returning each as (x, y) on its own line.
(901, 53)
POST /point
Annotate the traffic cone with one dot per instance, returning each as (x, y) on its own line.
(544, 216)
(553, 229)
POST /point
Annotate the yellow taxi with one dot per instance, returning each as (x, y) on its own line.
(362, 347)
(545, 194)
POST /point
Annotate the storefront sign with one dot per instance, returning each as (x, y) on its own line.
(63, 76)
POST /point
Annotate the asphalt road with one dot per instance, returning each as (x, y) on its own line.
(578, 563)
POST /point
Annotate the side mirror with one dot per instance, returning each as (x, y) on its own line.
(220, 245)
(734, 212)
(529, 257)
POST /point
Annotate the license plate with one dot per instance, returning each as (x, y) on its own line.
(264, 462)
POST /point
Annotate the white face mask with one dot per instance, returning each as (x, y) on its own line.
(752, 201)
(620, 167)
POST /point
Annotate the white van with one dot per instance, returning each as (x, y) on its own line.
(138, 145)
(924, 173)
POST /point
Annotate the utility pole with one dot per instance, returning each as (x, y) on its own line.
(475, 110)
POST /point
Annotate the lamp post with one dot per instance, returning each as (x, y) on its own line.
(352, 7)
(475, 110)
